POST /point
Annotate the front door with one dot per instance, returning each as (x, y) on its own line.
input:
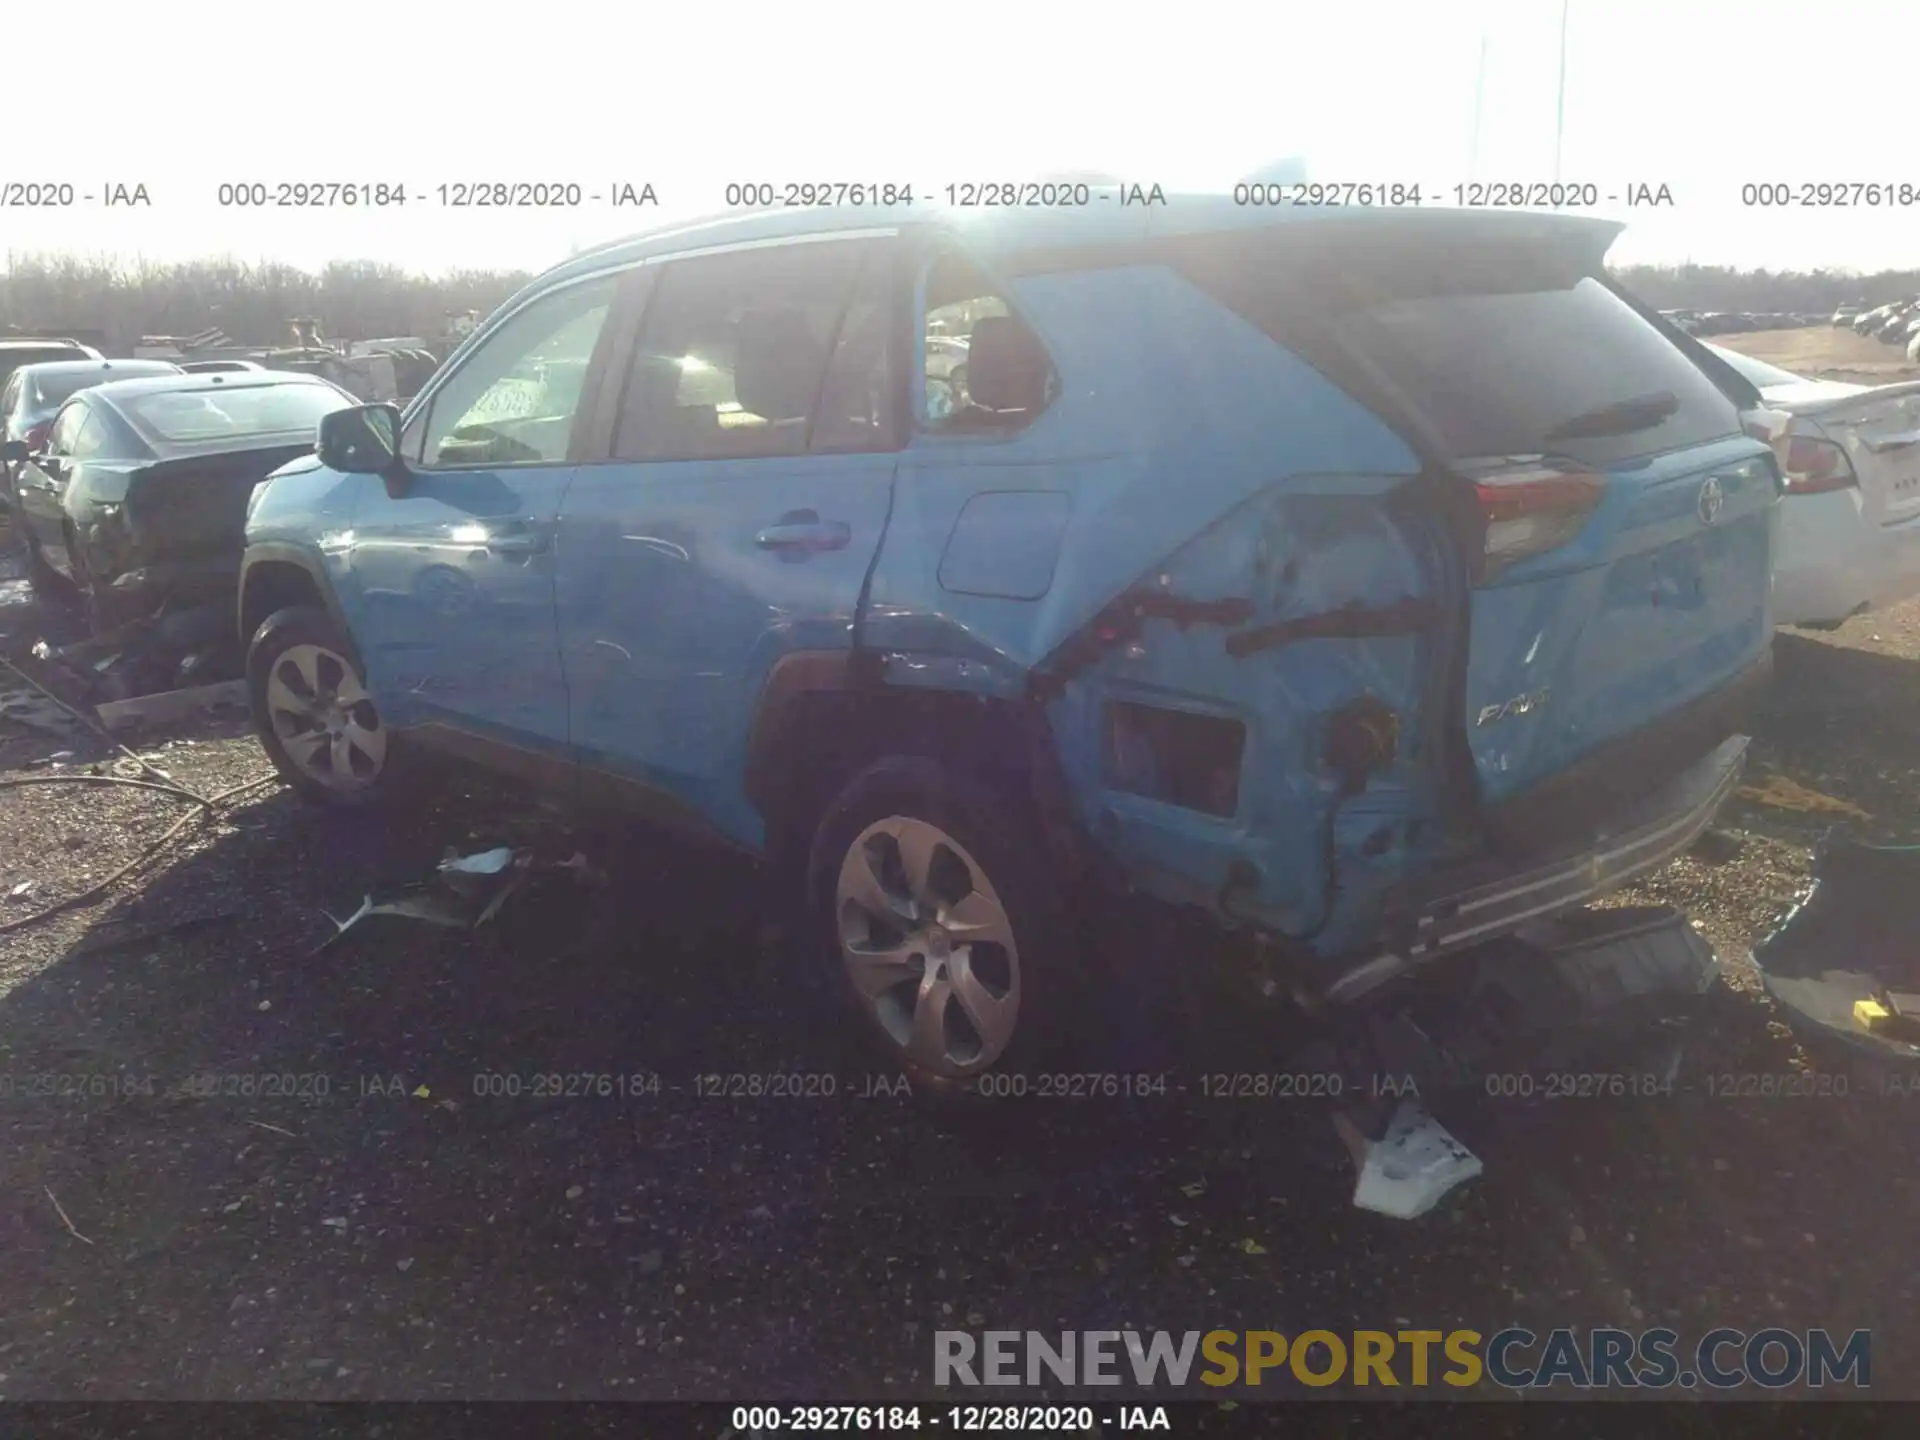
(450, 582)
(750, 468)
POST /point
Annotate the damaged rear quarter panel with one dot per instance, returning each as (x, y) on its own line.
(1197, 460)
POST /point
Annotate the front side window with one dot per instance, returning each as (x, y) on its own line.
(985, 369)
(515, 399)
(781, 351)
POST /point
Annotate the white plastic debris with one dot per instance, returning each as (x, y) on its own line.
(1413, 1166)
(487, 862)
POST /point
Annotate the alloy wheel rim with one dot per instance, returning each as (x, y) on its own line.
(324, 719)
(928, 947)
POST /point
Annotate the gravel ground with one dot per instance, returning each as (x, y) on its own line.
(385, 1232)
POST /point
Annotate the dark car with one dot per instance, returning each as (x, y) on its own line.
(16, 351)
(33, 393)
(139, 498)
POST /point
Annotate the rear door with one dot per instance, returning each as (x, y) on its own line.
(747, 482)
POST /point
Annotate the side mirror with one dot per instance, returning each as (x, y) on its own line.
(13, 452)
(363, 440)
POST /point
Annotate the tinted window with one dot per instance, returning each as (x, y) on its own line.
(222, 413)
(966, 317)
(49, 390)
(10, 395)
(1758, 371)
(1494, 350)
(66, 429)
(92, 439)
(514, 400)
(734, 355)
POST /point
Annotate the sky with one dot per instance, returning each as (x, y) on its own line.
(1700, 96)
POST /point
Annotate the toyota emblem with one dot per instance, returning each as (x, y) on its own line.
(1710, 499)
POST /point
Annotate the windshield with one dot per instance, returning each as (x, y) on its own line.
(50, 390)
(216, 413)
(1758, 371)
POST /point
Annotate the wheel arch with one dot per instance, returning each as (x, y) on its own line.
(824, 716)
(276, 576)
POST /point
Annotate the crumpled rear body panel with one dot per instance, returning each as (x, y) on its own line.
(1190, 458)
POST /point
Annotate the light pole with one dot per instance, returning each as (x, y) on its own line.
(1479, 96)
(1560, 104)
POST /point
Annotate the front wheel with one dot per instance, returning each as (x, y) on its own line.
(947, 934)
(314, 716)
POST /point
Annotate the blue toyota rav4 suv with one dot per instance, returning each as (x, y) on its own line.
(1374, 581)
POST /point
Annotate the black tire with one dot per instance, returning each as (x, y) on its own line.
(41, 577)
(994, 835)
(272, 644)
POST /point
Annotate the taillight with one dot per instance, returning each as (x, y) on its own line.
(37, 437)
(1530, 507)
(1814, 466)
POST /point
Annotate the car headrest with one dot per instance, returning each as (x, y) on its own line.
(777, 366)
(1006, 367)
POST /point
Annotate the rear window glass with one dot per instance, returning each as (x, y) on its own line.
(1758, 371)
(1493, 354)
(50, 390)
(218, 413)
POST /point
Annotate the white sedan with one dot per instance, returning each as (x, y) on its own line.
(1850, 523)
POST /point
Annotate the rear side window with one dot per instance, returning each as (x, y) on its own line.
(218, 413)
(50, 390)
(1493, 352)
(66, 429)
(94, 439)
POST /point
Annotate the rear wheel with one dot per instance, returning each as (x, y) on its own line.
(946, 932)
(313, 713)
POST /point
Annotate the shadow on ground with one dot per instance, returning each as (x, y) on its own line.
(344, 1206)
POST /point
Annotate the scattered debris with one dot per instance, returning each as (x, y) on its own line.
(1785, 793)
(65, 1220)
(23, 706)
(1250, 1246)
(263, 1125)
(148, 656)
(466, 892)
(1841, 959)
(24, 888)
(170, 704)
(1414, 1165)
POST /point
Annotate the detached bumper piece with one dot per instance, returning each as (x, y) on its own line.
(1473, 906)
(1596, 1003)
(1842, 960)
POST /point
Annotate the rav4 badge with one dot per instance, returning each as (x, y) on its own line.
(1518, 705)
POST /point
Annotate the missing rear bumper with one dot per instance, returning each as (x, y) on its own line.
(1470, 907)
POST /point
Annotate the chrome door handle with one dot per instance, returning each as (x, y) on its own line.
(801, 533)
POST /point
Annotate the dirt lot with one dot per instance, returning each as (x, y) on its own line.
(1823, 352)
(385, 1232)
